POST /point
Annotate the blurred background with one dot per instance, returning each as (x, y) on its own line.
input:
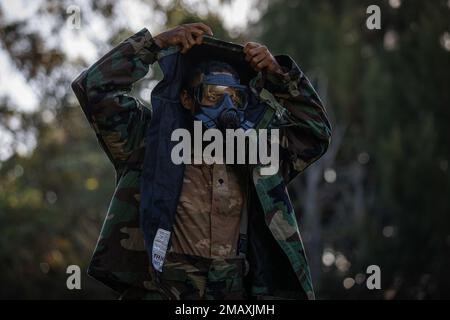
(380, 196)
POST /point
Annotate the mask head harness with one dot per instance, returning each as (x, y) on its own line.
(221, 102)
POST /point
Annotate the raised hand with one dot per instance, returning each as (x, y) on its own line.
(185, 35)
(260, 58)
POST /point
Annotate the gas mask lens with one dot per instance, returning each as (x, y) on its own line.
(221, 101)
(212, 94)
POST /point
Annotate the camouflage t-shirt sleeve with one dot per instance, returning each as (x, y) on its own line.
(118, 119)
(305, 131)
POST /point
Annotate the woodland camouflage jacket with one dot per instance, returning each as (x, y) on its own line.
(278, 264)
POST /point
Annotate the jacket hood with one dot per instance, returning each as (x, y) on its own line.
(173, 64)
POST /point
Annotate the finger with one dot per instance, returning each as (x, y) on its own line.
(259, 57)
(199, 40)
(197, 31)
(184, 44)
(197, 35)
(263, 64)
(190, 39)
(250, 45)
(203, 27)
(250, 54)
(255, 51)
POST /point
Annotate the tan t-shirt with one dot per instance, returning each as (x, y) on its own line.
(208, 215)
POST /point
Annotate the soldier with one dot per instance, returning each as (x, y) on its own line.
(199, 231)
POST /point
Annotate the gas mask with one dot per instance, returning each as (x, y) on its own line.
(222, 101)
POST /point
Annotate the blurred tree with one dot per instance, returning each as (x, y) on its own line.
(54, 194)
(379, 196)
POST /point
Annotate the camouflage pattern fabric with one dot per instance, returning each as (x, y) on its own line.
(188, 277)
(120, 123)
(208, 212)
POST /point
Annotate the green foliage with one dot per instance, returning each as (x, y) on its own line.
(394, 104)
(389, 205)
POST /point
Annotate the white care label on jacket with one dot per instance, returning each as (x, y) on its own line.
(160, 248)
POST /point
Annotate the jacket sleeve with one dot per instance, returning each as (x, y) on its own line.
(305, 131)
(118, 119)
